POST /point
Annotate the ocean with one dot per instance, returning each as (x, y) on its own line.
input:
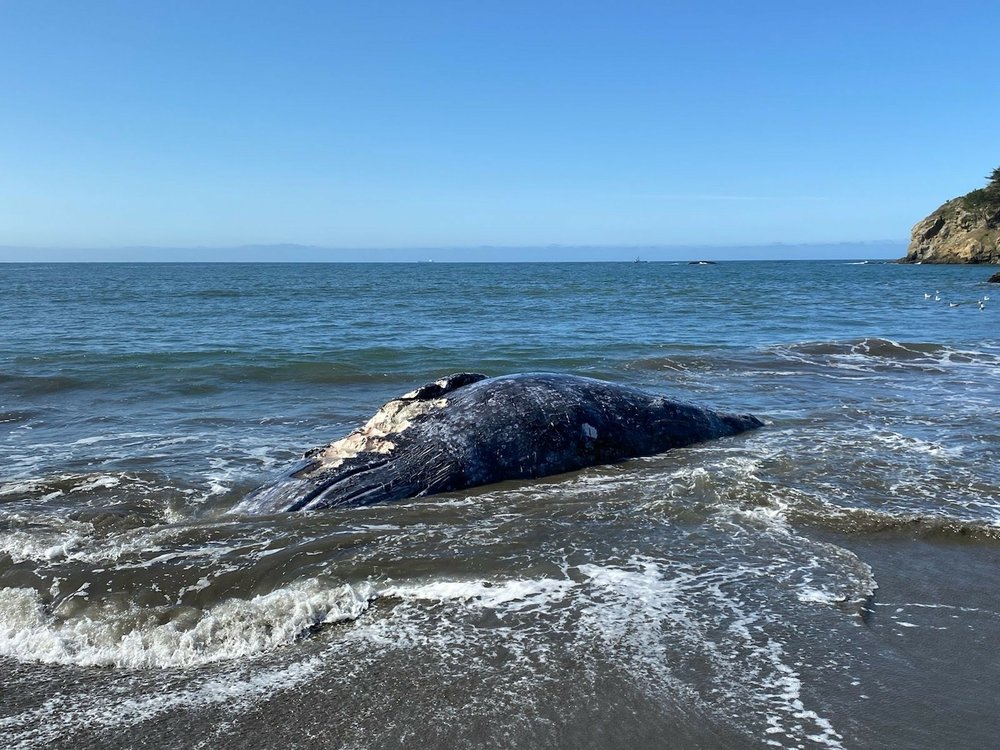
(829, 580)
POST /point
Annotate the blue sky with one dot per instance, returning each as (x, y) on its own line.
(421, 124)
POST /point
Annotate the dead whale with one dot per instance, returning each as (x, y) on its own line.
(467, 430)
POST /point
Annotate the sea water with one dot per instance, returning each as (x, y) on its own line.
(827, 581)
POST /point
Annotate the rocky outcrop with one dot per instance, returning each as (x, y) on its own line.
(963, 230)
(995, 278)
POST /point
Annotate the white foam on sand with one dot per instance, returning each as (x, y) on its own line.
(749, 664)
(647, 616)
(514, 595)
(64, 715)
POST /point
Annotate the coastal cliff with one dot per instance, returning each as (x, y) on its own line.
(963, 230)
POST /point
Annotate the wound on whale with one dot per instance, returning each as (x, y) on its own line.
(468, 430)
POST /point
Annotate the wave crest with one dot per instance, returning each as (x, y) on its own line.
(108, 634)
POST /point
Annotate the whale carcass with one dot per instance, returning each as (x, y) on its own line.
(467, 430)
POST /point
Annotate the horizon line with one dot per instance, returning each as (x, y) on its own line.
(551, 253)
(726, 261)
(450, 247)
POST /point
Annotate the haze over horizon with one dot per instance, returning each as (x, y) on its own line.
(185, 126)
(458, 254)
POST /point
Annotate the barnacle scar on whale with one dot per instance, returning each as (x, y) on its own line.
(467, 430)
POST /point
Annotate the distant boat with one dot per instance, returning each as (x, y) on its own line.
(639, 260)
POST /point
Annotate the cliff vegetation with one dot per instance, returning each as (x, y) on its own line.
(963, 230)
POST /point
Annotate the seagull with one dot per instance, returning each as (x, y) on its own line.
(986, 298)
(982, 305)
(954, 304)
(927, 295)
(937, 296)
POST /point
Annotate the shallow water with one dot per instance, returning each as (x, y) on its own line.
(829, 580)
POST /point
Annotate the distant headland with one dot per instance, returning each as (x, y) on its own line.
(963, 230)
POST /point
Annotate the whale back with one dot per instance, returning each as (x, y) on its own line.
(538, 424)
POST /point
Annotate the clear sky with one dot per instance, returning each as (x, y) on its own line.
(482, 122)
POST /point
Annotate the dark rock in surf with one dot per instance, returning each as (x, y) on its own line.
(468, 430)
